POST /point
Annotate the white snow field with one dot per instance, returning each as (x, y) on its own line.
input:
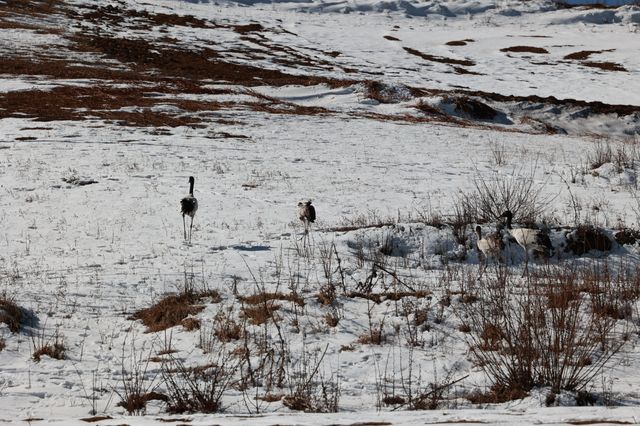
(407, 124)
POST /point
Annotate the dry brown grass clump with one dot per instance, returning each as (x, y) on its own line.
(11, 314)
(173, 309)
(441, 59)
(392, 38)
(263, 298)
(260, 314)
(525, 49)
(586, 238)
(55, 350)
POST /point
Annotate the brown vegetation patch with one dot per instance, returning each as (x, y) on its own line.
(381, 297)
(192, 64)
(116, 15)
(55, 350)
(260, 314)
(263, 298)
(459, 42)
(248, 28)
(606, 66)
(497, 395)
(191, 324)
(460, 70)
(173, 309)
(11, 314)
(137, 402)
(524, 49)
(584, 54)
(270, 397)
(586, 238)
(472, 108)
(392, 38)
(627, 236)
(441, 59)
(96, 419)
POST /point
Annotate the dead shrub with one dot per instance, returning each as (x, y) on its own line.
(441, 59)
(199, 390)
(491, 196)
(139, 384)
(626, 236)
(191, 324)
(539, 335)
(11, 314)
(309, 390)
(605, 66)
(52, 346)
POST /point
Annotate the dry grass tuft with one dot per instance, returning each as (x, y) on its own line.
(11, 314)
(55, 350)
(260, 314)
(460, 42)
(173, 309)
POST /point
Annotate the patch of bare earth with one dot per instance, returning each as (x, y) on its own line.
(460, 42)
(440, 59)
(525, 49)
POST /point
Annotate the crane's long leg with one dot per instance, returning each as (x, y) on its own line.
(191, 229)
(184, 227)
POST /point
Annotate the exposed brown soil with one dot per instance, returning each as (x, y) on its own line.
(392, 38)
(524, 49)
(441, 59)
(584, 54)
(460, 42)
(606, 66)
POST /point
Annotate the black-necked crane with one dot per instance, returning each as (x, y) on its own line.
(490, 246)
(533, 241)
(307, 214)
(189, 207)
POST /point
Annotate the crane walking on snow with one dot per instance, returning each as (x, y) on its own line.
(189, 207)
(307, 214)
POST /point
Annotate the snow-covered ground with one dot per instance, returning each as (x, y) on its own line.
(360, 106)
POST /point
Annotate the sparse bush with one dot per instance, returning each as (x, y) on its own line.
(492, 196)
(540, 335)
(139, 384)
(52, 346)
(309, 391)
(199, 389)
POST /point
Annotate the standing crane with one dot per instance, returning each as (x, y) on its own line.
(189, 207)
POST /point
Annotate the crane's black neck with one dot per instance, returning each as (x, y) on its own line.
(509, 217)
(191, 183)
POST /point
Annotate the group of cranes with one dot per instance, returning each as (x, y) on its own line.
(189, 207)
(534, 242)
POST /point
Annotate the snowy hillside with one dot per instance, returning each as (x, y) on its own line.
(408, 124)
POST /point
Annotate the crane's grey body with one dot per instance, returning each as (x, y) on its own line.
(534, 241)
(189, 207)
(491, 245)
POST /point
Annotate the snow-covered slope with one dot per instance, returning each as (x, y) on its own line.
(385, 114)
